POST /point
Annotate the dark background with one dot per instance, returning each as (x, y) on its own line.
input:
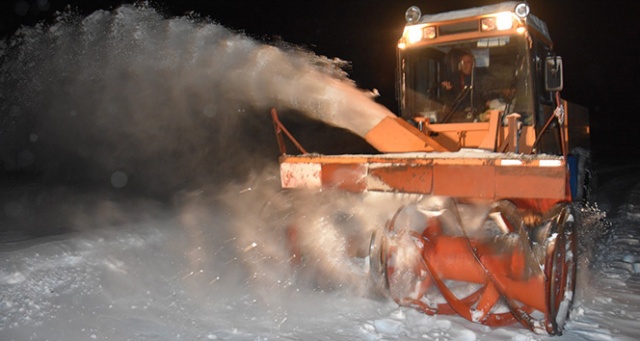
(596, 38)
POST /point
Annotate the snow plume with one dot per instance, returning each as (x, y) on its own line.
(129, 97)
(133, 101)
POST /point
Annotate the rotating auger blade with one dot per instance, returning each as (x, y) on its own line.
(509, 272)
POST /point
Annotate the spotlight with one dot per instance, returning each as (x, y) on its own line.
(522, 10)
(413, 14)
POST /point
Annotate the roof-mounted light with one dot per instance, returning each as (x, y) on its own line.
(522, 10)
(413, 14)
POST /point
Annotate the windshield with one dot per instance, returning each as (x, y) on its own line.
(460, 81)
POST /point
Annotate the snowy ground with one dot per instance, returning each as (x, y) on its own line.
(181, 275)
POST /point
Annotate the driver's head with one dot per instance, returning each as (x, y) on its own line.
(466, 64)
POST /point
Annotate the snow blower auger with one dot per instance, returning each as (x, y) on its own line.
(481, 124)
(507, 271)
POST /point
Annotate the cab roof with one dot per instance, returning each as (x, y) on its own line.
(506, 6)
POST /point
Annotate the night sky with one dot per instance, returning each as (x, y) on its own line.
(596, 38)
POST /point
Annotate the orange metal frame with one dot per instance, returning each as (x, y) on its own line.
(536, 181)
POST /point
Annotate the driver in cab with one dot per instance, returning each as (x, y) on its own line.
(459, 90)
(465, 100)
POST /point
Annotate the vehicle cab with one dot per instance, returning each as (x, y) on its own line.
(456, 67)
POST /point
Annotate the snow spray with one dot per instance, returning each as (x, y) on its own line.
(130, 99)
(131, 96)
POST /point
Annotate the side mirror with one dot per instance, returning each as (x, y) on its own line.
(553, 73)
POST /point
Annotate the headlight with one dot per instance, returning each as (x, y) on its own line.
(414, 34)
(504, 21)
(500, 22)
(488, 24)
(430, 32)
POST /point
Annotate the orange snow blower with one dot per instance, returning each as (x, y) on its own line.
(481, 127)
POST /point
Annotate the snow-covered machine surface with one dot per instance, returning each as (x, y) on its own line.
(482, 126)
